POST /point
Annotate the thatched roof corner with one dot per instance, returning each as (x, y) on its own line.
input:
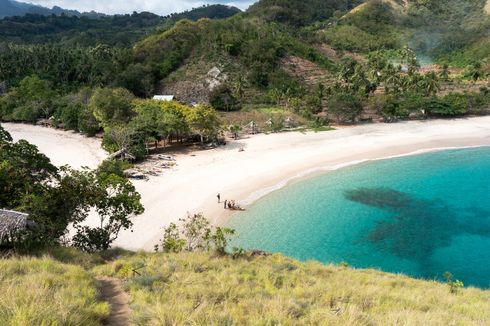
(12, 222)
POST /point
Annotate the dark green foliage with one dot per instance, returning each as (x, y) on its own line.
(120, 30)
(112, 106)
(217, 11)
(66, 68)
(137, 78)
(115, 199)
(345, 107)
(28, 102)
(87, 123)
(116, 167)
(56, 198)
(23, 171)
(403, 106)
(166, 51)
(222, 98)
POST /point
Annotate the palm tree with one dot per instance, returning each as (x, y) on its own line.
(431, 82)
(359, 78)
(239, 87)
(392, 79)
(444, 73)
(235, 129)
(474, 71)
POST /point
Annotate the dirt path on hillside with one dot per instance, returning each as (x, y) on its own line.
(113, 293)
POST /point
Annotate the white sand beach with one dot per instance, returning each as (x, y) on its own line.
(62, 147)
(267, 163)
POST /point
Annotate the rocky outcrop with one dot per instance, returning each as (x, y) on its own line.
(194, 89)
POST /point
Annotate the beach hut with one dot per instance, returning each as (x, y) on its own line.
(165, 98)
(11, 223)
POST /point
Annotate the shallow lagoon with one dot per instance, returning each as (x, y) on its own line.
(420, 215)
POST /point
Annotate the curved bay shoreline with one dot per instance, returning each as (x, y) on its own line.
(268, 163)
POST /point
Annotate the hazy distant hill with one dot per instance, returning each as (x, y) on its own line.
(10, 8)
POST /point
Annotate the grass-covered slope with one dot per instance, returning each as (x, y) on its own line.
(202, 289)
(42, 291)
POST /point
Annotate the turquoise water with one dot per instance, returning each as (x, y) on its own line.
(419, 215)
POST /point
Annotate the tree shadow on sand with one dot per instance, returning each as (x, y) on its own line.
(417, 227)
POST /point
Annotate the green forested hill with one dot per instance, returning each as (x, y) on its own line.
(117, 30)
(322, 60)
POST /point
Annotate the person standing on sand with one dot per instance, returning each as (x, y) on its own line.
(219, 198)
(225, 204)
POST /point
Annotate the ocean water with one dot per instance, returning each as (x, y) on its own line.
(419, 215)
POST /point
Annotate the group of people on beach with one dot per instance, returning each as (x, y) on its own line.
(229, 204)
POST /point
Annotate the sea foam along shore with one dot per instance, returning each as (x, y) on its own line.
(267, 163)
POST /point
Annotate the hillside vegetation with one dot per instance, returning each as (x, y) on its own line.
(440, 30)
(208, 289)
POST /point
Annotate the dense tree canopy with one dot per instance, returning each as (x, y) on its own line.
(56, 198)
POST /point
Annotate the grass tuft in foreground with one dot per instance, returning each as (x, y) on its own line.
(42, 291)
(205, 289)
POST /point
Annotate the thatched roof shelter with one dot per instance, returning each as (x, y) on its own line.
(122, 154)
(12, 222)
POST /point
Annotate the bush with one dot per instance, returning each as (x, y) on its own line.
(87, 123)
(454, 285)
(195, 234)
(439, 107)
(69, 115)
(345, 107)
(117, 167)
(222, 98)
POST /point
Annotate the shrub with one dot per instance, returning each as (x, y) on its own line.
(454, 285)
(87, 123)
(195, 234)
(345, 107)
(69, 115)
(222, 98)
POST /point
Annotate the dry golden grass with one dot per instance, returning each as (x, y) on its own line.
(41, 291)
(202, 289)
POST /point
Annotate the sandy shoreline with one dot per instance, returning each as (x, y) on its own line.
(62, 147)
(268, 163)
